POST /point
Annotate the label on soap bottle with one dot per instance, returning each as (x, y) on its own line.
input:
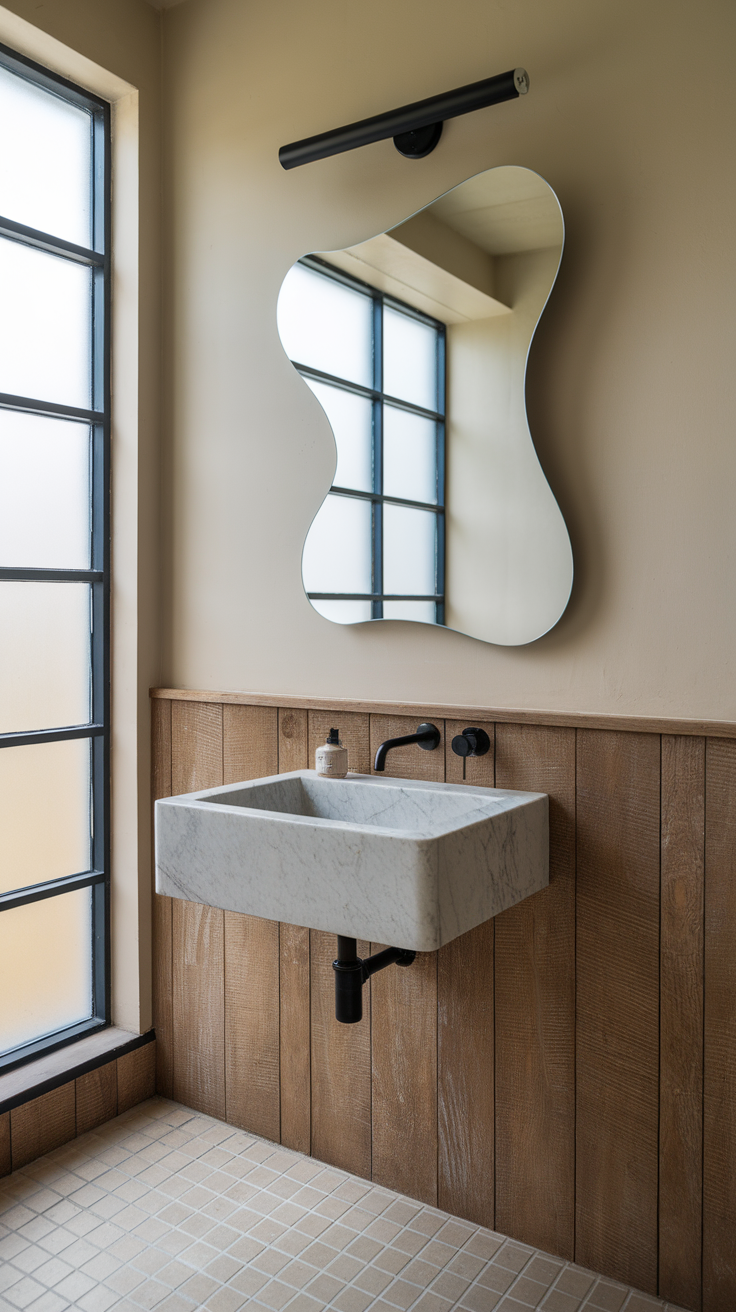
(331, 760)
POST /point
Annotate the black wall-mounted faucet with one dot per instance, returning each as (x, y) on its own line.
(427, 737)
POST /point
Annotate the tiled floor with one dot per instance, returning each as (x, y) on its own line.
(164, 1208)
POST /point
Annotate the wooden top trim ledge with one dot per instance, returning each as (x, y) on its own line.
(500, 714)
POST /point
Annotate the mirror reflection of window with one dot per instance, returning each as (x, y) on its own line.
(377, 366)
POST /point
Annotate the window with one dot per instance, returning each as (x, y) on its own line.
(54, 560)
(377, 366)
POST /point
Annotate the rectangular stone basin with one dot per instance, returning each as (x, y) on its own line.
(393, 861)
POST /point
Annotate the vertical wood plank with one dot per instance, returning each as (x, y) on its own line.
(535, 1009)
(5, 1162)
(199, 1007)
(354, 734)
(96, 1097)
(136, 1076)
(252, 1024)
(250, 751)
(250, 742)
(411, 762)
(293, 744)
(719, 1103)
(618, 799)
(162, 913)
(465, 1056)
(196, 746)
(295, 1062)
(341, 1068)
(45, 1123)
(404, 1051)
(465, 1038)
(681, 1021)
(294, 981)
(198, 931)
(404, 1017)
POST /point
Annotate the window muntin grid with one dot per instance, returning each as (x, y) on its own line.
(57, 426)
(405, 437)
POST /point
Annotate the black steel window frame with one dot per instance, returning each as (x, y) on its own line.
(379, 399)
(97, 731)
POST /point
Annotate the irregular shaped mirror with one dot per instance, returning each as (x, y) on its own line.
(415, 343)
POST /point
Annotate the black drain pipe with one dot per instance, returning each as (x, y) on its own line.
(351, 973)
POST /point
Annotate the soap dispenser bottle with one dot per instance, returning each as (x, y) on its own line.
(332, 759)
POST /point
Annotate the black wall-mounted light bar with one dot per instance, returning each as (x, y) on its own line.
(415, 129)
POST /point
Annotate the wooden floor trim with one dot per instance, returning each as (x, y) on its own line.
(497, 714)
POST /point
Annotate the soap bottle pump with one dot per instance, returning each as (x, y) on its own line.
(332, 759)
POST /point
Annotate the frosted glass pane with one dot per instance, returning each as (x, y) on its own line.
(44, 492)
(45, 326)
(326, 325)
(409, 456)
(337, 552)
(44, 812)
(45, 967)
(344, 612)
(424, 612)
(409, 359)
(45, 160)
(351, 420)
(409, 550)
(45, 655)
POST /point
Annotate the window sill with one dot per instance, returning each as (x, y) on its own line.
(56, 1068)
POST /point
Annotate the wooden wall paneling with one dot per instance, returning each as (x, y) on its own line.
(681, 1021)
(136, 1076)
(252, 1097)
(198, 931)
(618, 801)
(43, 1124)
(719, 1103)
(162, 913)
(295, 1062)
(250, 742)
(5, 1162)
(478, 770)
(341, 1067)
(252, 1024)
(196, 746)
(465, 1039)
(293, 735)
(465, 1085)
(294, 975)
(354, 734)
(199, 1007)
(535, 1009)
(404, 1060)
(411, 762)
(404, 1017)
(96, 1097)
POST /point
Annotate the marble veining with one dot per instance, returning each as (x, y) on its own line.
(404, 862)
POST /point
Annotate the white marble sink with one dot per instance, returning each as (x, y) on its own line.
(394, 861)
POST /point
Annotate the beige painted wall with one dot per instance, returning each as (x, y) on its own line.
(114, 49)
(631, 376)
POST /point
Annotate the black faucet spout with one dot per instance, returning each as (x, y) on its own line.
(427, 737)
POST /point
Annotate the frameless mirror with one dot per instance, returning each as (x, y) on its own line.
(416, 343)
